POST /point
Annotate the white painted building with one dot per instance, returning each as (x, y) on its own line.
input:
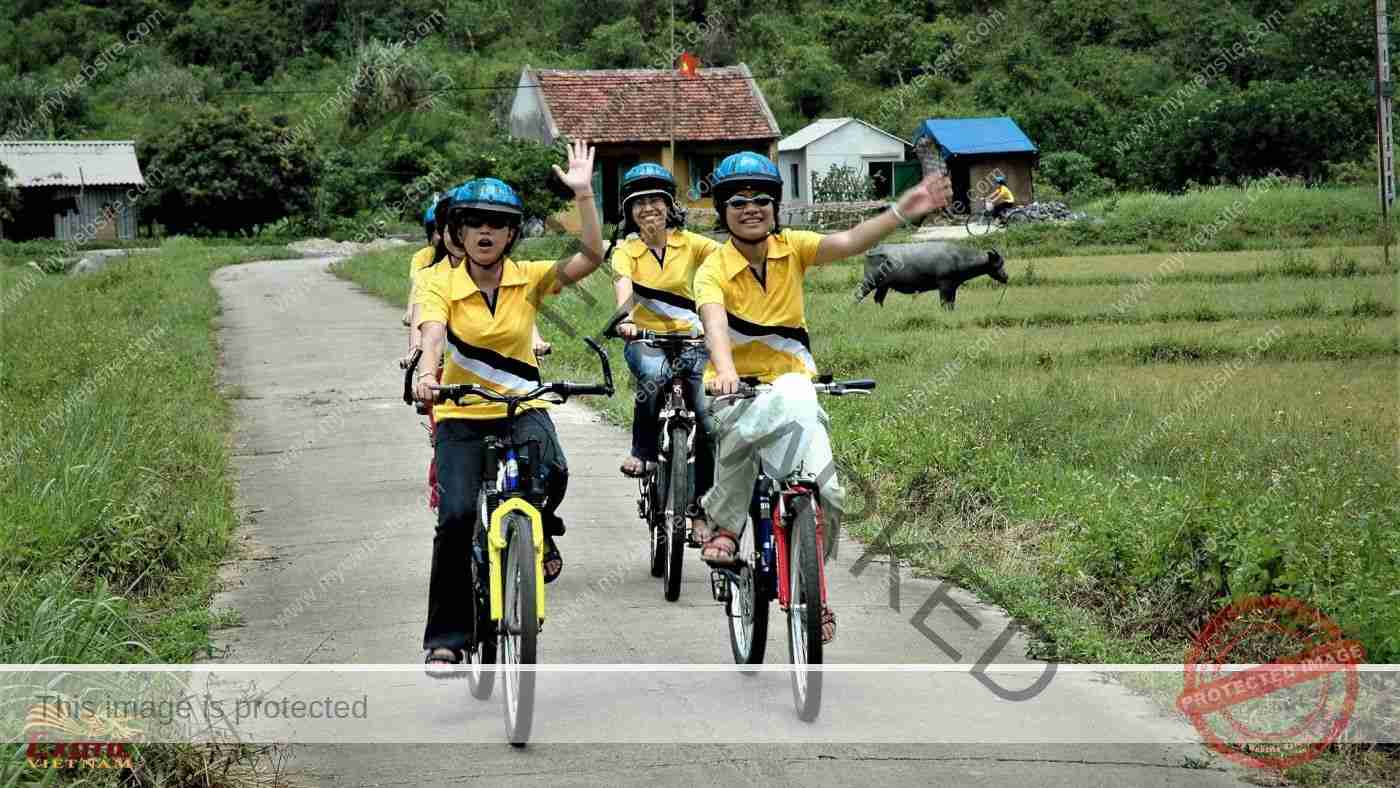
(831, 142)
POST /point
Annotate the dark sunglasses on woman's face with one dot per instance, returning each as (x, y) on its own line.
(476, 220)
(740, 203)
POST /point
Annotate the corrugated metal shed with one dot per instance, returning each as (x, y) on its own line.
(103, 214)
(966, 136)
(41, 163)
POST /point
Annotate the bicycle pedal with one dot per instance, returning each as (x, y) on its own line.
(719, 586)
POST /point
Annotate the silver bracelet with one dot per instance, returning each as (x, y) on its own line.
(894, 209)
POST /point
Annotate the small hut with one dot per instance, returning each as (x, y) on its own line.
(81, 191)
(976, 149)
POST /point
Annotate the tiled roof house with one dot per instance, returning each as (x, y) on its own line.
(686, 123)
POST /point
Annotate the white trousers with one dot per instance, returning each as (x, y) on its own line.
(782, 431)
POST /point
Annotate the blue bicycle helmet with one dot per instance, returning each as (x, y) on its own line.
(488, 195)
(1000, 180)
(746, 170)
(647, 178)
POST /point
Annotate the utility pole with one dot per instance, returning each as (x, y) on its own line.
(675, 88)
(1383, 136)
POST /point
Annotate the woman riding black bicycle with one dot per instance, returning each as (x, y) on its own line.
(485, 312)
(654, 274)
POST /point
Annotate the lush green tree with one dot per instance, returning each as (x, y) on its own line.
(616, 45)
(526, 166)
(31, 108)
(1296, 127)
(227, 171)
(248, 36)
(809, 79)
(1330, 39)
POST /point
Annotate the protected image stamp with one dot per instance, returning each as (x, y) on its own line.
(1278, 714)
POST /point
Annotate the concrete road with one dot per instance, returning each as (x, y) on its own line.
(955, 232)
(334, 569)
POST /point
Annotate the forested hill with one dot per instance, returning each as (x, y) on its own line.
(1154, 93)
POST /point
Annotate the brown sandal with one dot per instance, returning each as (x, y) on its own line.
(716, 553)
(700, 531)
(828, 625)
(640, 471)
(435, 658)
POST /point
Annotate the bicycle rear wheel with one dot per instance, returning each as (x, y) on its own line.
(747, 608)
(520, 628)
(481, 679)
(805, 609)
(673, 513)
(656, 529)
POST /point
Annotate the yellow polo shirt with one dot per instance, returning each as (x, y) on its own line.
(661, 291)
(417, 266)
(767, 323)
(485, 346)
(1002, 194)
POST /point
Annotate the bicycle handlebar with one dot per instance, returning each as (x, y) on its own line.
(564, 389)
(649, 337)
(750, 387)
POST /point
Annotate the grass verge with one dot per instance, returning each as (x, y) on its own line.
(115, 496)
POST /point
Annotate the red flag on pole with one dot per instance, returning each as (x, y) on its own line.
(689, 65)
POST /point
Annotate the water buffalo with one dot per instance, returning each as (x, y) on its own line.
(921, 267)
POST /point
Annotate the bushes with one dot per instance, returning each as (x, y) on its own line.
(9, 195)
(841, 184)
(1072, 174)
(226, 172)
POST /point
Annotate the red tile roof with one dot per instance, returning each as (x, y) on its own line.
(636, 105)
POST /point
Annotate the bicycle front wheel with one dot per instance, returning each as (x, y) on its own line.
(805, 609)
(520, 628)
(747, 608)
(678, 493)
(978, 224)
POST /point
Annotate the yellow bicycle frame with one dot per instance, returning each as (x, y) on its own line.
(496, 542)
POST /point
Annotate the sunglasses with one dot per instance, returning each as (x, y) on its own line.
(740, 203)
(475, 221)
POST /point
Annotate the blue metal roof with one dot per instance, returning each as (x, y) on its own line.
(962, 136)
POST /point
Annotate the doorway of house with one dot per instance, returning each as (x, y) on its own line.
(611, 170)
(882, 176)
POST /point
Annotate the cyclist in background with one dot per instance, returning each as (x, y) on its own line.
(750, 299)
(421, 261)
(482, 313)
(1001, 200)
(654, 273)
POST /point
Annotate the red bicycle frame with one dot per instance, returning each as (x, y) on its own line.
(780, 536)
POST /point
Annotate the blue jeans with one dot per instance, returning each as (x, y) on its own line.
(652, 372)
